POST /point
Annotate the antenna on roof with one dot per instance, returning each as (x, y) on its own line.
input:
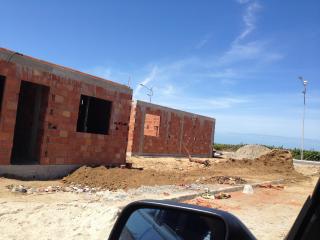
(129, 80)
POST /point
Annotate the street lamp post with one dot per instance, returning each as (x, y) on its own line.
(304, 82)
(150, 94)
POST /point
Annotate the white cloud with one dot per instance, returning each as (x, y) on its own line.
(226, 102)
(151, 76)
(168, 90)
(249, 20)
(256, 50)
(201, 104)
(109, 73)
(252, 50)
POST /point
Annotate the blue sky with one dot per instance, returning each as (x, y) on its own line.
(237, 60)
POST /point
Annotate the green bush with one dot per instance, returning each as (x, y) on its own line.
(227, 147)
(307, 154)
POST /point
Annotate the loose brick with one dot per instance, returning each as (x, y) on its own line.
(66, 114)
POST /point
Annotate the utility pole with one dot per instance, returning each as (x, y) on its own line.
(304, 82)
(150, 94)
(129, 81)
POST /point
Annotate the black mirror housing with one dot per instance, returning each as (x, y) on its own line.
(228, 226)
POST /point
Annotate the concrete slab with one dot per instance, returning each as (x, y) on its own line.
(41, 172)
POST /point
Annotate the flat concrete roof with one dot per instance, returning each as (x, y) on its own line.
(65, 72)
(152, 105)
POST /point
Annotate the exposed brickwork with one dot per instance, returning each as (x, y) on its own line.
(151, 125)
(177, 131)
(60, 143)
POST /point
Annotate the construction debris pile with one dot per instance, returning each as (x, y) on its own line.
(51, 189)
(226, 180)
(274, 164)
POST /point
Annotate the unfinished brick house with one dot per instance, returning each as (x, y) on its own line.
(50, 114)
(156, 130)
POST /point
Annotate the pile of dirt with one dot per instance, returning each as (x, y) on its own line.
(117, 178)
(250, 152)
(277, 164)
(279, 159)
(275, 161)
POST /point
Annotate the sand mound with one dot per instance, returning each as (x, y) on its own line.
(116, 178)
(251, 151)
(273, 165)
(277, 158)
(275, 161)
(108, 178)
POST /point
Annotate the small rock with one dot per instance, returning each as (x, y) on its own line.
(21, 189)
(67, 189)
(208, 196)
(79, 190)
(222, 195)
(247, 189)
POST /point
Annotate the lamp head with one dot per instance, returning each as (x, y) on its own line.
(304, 82)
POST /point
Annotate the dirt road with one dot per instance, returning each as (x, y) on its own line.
(70, 215)
(268, 213)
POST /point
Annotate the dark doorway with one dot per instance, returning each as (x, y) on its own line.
(28, 132)
(2, 80)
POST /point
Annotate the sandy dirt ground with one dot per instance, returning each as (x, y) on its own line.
(180, 171)
(69, 215)
(268, 213)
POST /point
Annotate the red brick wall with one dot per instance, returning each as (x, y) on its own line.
(132, 133)
(151, 125)
(64, 145)
(178, 131)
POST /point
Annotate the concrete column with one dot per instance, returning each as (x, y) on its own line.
(141, 136)
(181, 133)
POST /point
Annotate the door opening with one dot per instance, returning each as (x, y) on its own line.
(28, 132)
(2, 80)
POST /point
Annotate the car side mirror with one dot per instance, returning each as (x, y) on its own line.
(170, 220)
